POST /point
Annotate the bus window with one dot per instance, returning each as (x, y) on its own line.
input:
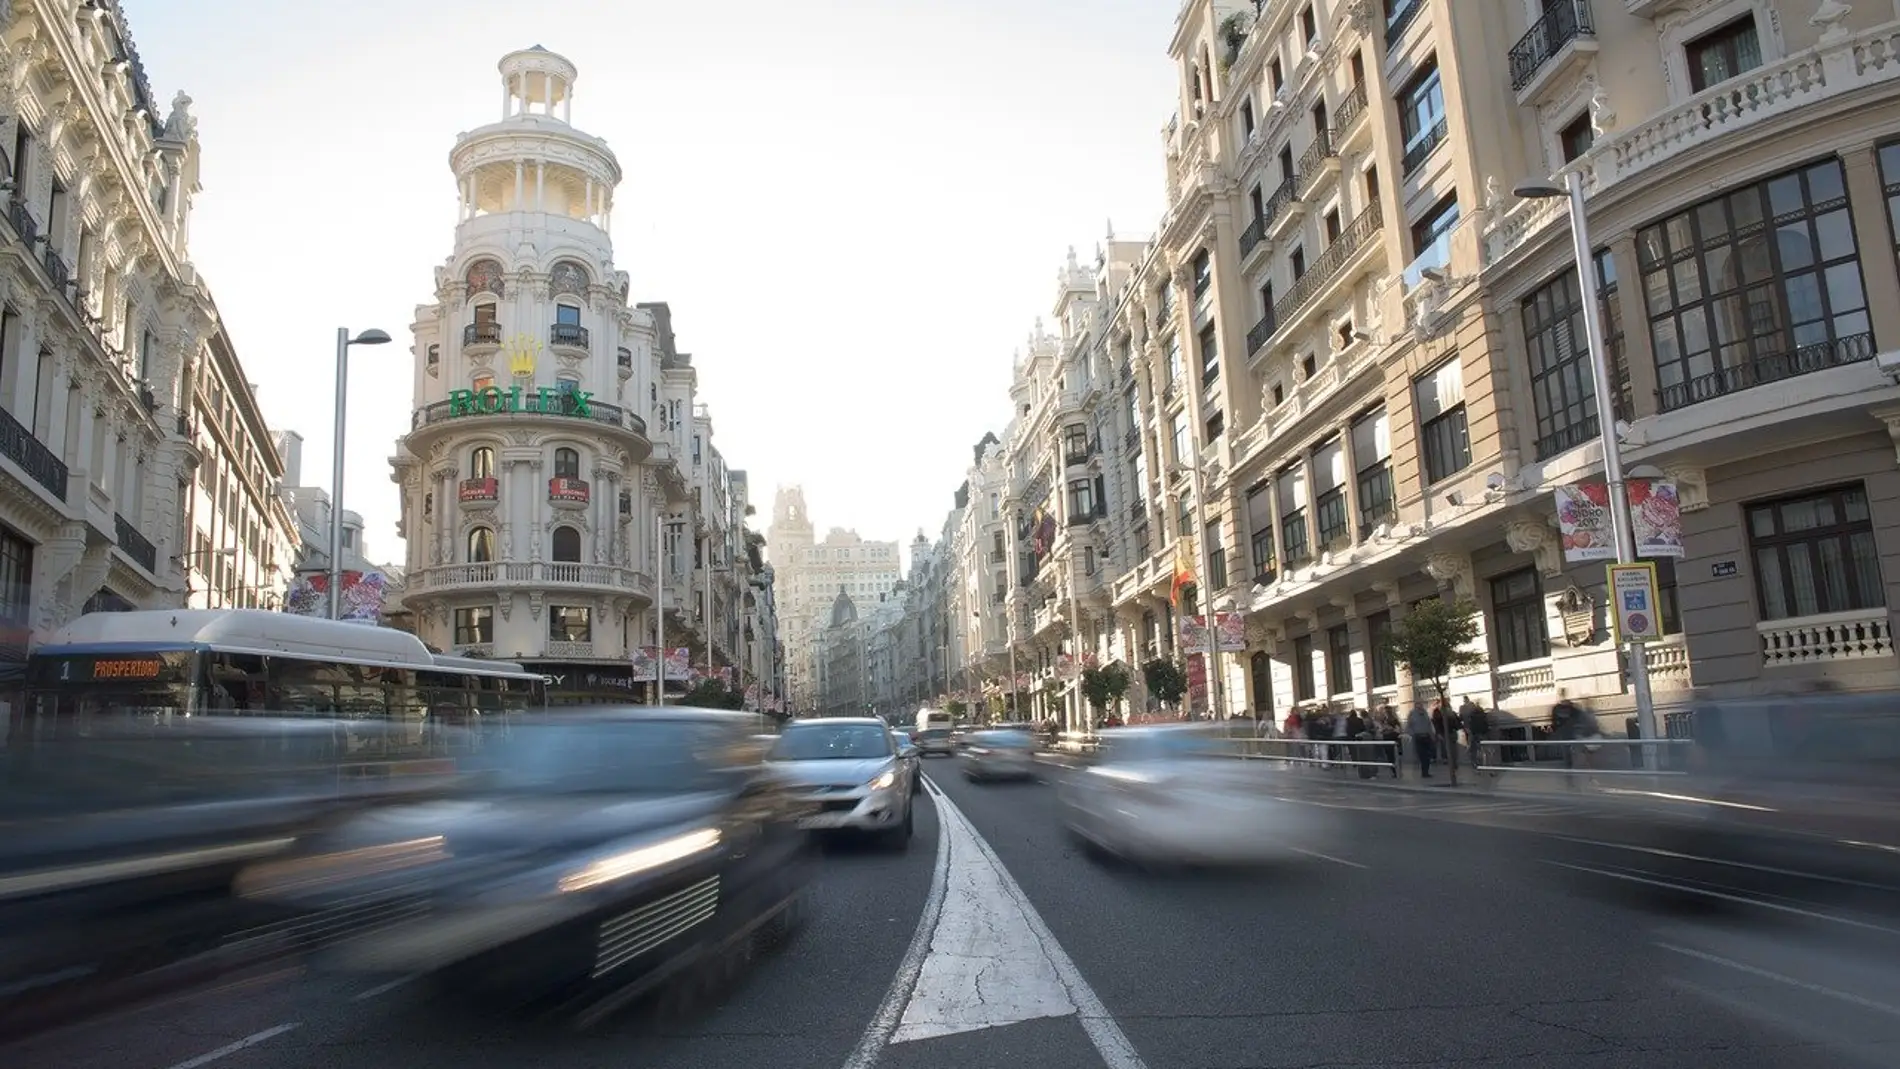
(235, 682)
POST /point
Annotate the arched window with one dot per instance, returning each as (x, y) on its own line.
(567, 384)
(567, 463)
(481, 463)
(485, 276)
(1260, 666)
(567, 545)
(481, 545)
(568, 278)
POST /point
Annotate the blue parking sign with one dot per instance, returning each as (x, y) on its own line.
(1635, 601)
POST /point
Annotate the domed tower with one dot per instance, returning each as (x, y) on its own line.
(528, 525)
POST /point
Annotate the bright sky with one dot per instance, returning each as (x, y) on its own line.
(855, 207)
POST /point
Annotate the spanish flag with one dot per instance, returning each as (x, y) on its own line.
(1183, 568)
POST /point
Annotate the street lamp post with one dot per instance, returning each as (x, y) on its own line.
(343, 343)
(1620, 519)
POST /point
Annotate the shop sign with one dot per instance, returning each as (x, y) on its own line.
(545, 400)
(561, 488)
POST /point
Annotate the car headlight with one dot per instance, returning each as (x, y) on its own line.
(884, 781)
(640, 859)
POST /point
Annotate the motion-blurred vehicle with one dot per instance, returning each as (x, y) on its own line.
(999, 755)
(122, 840)
(849, 770)
(1791, 796)
(1173, 794)
(907, 753)
(936, 742)
(604, 852)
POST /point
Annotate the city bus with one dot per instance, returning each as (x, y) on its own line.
(159, 664)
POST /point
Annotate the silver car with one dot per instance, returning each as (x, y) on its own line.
(907, 753)
(851, 771)
(994, 755)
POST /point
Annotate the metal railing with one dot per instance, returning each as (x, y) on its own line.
(1563, 21)
(1331, 262)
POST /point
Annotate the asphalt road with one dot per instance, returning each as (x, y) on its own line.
(1433, 935)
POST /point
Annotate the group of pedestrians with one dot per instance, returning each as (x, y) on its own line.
(1430, 733)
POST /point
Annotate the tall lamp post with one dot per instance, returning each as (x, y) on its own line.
(343, 343)
(1620, 519)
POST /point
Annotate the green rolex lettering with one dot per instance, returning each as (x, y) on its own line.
(543, 395)
(580, 399)
(514, 399)
(490, 400)
(461, 402)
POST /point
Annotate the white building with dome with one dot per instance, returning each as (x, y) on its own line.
(556, 431)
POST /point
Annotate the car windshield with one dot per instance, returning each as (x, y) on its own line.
(631, 756)
(1002, 740)
(901, 738)
(822, 742)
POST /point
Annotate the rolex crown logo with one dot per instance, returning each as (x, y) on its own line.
(521, 353)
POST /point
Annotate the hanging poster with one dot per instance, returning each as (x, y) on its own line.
(1583, 522)
(1655, 517)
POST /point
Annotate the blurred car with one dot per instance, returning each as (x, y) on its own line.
(1172, 794)
(936, 742)
(605, 850)
(907, 753)
(1789, 796)
(999, 755)
(121, 845)
(850, 771)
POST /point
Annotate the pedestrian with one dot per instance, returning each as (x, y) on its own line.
(1418, 724)
(1388, 729)
(1477, 728)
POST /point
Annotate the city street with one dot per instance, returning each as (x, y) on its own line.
(1432, 935)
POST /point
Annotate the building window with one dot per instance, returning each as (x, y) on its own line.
(1431, 240)
(1668, 605)
(1081, 500)
(1075, 441)
(1174, 359)
(1216, 424)
(1210, 356)
(567, 315)
(474, 627)
(1422, 116)
(570, 623)
(148, 352)
(567, 463)
(1329, 495)
(16, 594)
(1563, 383)
(1575, 140)
(1309, 26)
(481, 545)
(1755, 286)
(1260, 529)
(1339, 660)
(1442, 431)
(1178, 427)
(1260, 671)
(1372, 455)
(435, 355)
(1890, 177)
(1184, 522)
(1293, 537)
(1719, 55)
(1517, 617)
(483, 380)
(1304, 689)
(1383, 669)
(567, 545)
(1216, 557)
(1203, 272)
(481, 463)
(1815, 554)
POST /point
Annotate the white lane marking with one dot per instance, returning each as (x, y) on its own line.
(382, 989)
(1752, 970)
(877, 1034)
(1670, 885)
(1110, 1041)
(228, 1049)
(1331, 858)
(987, 966)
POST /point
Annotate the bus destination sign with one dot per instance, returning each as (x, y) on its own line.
(109, 668)
(128, 668)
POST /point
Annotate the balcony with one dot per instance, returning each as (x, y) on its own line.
(1331, 263)
(1403, 15)
(135, 545)
(570, 336)
(1131, 442)
(539, 575)
(1320, 160)
(478, 492)
(1834, 636)
(567, 492)
(499, 404)
(484, 336)
(1767, 368)
(1349, 118)
(1252, 236)
(1284, 208)
(40, 464)
(57, 271)
(1260, 334)
(20, 217)
(1421, 150)
(1559, 43)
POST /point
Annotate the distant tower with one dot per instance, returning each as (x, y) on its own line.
(529, 523)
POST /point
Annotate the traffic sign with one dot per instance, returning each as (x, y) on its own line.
(1635, 599)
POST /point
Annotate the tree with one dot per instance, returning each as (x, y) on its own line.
(955, 708)
(712, 694)
(1104, 686)
(1433, 640)
(1165, 680)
